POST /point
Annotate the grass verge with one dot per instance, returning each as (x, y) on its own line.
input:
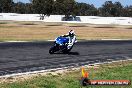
(116, 70)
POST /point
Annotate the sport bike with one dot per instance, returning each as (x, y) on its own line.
(61, 45)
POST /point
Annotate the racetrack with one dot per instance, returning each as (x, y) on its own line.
(32, 56)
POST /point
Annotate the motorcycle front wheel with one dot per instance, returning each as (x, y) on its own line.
(52, 50)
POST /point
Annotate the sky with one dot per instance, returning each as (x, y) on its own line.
(96, 3)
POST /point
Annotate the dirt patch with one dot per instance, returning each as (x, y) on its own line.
(49, 31)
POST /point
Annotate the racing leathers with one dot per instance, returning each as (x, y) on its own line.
(72, 40)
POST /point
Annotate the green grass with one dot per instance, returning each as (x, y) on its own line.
(71, 79)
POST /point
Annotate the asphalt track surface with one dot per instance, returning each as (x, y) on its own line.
(34, 56)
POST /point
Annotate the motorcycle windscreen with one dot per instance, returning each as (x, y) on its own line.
(62, 40)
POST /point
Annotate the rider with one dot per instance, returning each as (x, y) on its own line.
(72, 38)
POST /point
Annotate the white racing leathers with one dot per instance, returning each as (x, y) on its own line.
(72, 41)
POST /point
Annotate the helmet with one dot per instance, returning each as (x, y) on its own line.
(71, 33)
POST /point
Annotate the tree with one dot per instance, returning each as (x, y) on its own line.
(0, 9)
(111, 9)
(29, 8)
(86, 9)
(118, 9)
(19, 8)
(22, 8)
(65, 7)
(43, 7)
(127, 11)
(6, 5)
(106, 9)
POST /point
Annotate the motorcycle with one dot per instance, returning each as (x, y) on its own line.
(60, 45)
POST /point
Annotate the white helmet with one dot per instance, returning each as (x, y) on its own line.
(71, 33)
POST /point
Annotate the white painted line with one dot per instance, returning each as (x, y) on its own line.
(51, 40)
(13, 41)
(78, 40)
(16, 41)
(116, 39)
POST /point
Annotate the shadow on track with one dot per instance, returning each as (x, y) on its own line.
(73, 53)
(70, 53)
